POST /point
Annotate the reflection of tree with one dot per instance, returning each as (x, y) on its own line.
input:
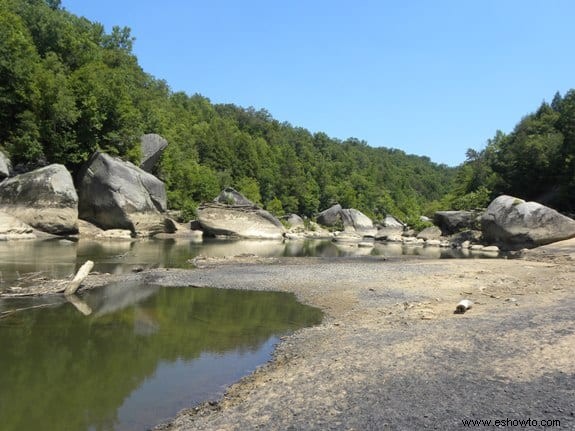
(62, 370)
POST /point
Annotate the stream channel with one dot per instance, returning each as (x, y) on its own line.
(144, 352)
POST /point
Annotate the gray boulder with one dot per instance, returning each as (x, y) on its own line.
(294, 221)
(239, 221)
(5, 166)
(356, 221)
(451, 222)
(44, 198)
(153, 147)
(513, 223)
(430, 233)
(230, 196)
(115, 194)
(331, 216)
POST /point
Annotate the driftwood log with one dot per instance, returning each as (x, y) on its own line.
(79, 278)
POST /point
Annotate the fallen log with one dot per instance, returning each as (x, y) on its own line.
(80, 276)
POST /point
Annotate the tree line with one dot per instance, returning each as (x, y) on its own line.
(69, 88)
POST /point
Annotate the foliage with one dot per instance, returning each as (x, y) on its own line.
(67, 88)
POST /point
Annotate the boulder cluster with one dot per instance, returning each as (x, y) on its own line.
(112, 198)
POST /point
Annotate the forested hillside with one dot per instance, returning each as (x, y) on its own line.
(536, 161)
(68, 88)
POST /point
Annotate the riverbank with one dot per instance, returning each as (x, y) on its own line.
(391, 354)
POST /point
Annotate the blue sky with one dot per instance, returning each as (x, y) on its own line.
(428, 77)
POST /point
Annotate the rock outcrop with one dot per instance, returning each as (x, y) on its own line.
(153, 147)
(114, 194)
(513, 223)
(331, 216)
(451, 222)
(5, 166)
(356, 221)
(44, 198)
(232, 215)
(430, 233)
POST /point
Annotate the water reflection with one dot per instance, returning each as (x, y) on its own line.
(144, 353)
(60, 258)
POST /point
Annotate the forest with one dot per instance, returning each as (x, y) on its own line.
(69, 88)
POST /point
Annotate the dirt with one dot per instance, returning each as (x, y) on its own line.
(392, 354)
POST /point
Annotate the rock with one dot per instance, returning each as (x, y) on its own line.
(153, 147)
(331, 216)
(5, 166)
(385, 233)
(467, 235)
(230, 196)
(44, 198)
(466, 245)
(477, 247)
(115, 234)
(513, 223)
(118, 195)
(355, 221)
(432, 232)
(12, 228)
(390, 221)
(451, 222)
(491, 248)
(239, 221)
(294, 222)
(432, 243)
(425, 219)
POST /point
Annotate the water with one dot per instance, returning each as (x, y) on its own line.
(20, 260)
(139, 356)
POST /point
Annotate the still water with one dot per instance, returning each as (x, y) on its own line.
(139, 356)
(21, 260)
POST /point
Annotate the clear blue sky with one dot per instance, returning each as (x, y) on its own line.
(428, 77)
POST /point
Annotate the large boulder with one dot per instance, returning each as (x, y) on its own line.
(231, 214)
(230, 196)
(451, 222)
(5, 166)
(331, 216)
(391, 222)
(356, 221)
(513, 223)
(239, 222)
(153, 147)
(430, 233)
(115, 194)
(44, 198)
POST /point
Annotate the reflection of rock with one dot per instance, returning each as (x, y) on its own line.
(114, 297)
(44, 198)
(118, 195)
(514, 223)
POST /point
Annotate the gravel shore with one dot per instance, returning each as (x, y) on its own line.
(391, 353)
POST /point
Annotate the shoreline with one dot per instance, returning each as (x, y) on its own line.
(391, 353)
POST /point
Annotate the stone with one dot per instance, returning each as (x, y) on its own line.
(294, 221)
(512, 223)
(433, 242)
(355, 221)
(230, 196)
(491, 248)
(431, 232)
(12, 228)
(239, 222)
(392, 222)
(385, 233)
(451, 222)
(44, 198)
(153, 147)
(114, 194)
(331, 216)
(5, 166)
